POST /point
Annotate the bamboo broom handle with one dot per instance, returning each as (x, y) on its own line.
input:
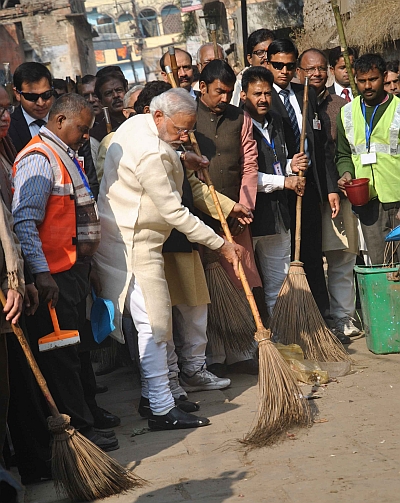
(32, 363)
(173, 63)
(299, 200)
(213, 30)
(225, 227)
(107, 119)
(343, 43)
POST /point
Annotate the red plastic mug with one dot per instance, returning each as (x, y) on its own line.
(358, 191)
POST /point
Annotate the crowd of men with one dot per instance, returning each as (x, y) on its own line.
(126, 214)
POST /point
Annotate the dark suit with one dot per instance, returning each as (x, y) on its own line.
(331, 89)
(318, 186)
(19, 130)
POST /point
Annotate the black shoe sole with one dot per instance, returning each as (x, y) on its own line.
(154, 424)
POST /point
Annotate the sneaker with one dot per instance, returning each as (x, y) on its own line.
(346, 326)
(176, 389)
(203, 380)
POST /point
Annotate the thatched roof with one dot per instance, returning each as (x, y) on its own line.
(373, 25)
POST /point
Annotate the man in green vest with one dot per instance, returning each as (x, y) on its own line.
(368, 146)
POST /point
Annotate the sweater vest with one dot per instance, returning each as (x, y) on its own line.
(384, 175)
(57, 232)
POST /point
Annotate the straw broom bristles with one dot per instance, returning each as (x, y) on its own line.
(82, 470)
(229, 315)
(296, 320)
(281, 404)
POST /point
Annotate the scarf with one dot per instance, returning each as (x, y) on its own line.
(87, 219)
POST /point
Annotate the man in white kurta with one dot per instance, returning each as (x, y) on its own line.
(139, 204)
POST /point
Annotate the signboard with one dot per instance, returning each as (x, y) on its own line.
(189, 5)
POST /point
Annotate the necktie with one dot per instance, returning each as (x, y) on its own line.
(39, 122)
(292, 116)
(346, 94)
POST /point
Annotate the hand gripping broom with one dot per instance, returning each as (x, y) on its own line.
(280, 403)
(79, 468)
(296, 318)
(229, 317)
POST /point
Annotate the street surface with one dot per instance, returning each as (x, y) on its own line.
(352, 455)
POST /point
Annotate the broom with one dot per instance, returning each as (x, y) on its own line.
(229, 317)
(281, 405)
(296, 318)
(79, 468)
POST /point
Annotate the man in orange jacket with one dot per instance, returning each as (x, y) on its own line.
(56, 222)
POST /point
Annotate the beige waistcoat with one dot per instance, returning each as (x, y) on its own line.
(139, 204)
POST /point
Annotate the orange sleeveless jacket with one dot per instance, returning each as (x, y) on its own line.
(57, 232)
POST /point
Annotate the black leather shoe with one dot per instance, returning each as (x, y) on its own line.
(105, 444)
(104, 420)
(176, 419)
(218, 369)
(145, 411)
(101, 389)
(344, 339)
(105, 433)
(244, 367)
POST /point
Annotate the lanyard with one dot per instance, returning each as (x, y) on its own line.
(270, 145)
(85, 183)
(368, 127)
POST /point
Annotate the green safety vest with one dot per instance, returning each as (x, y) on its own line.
(384, 176)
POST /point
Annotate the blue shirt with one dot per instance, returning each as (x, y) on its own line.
(33, 184)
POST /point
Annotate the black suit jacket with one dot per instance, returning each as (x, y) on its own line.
(317, 142)
(331, 89)
(19, 130)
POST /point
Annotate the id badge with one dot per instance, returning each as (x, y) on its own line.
(316, 124)
(81, 161)
(369, 158)
(277, 168)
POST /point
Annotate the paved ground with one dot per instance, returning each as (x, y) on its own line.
(353, 457)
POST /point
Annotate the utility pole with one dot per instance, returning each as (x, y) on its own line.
(243, 8)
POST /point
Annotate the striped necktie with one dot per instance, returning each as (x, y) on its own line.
(292, 116)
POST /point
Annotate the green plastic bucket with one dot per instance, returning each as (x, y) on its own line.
(380, 304)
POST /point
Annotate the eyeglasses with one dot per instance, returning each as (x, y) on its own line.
(180, 131)
(260, 53)
(314, 69)
(280, 66)
(35, 96)
(10, 109)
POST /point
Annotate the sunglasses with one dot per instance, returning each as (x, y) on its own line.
(10, 109)
(280, 66)
(35, 96)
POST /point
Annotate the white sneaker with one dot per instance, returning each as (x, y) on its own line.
(176, 389)
(203, 380)
(346, 326)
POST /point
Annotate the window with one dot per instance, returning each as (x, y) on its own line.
(171, 19)
(102, 22)
(148, 24)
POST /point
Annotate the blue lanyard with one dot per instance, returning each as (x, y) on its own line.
(271, 145)
(368, 127)
(85, 183)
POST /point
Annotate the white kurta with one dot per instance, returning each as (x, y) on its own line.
(139, 204)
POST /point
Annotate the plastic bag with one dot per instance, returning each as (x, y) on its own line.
(306, 371)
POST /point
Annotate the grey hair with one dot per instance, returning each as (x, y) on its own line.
(127, 96)
(174, 101)
(70, 103)
(208, 44)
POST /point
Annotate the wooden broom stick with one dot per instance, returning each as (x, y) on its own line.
(343, 43)
(173, 64)
(213, 31)
(299, 200)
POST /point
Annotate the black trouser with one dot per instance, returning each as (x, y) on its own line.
(311, 243)
(61, 367)
(27, 416)
(4, 393)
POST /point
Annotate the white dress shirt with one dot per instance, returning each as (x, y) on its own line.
(339, 91)
(33, 128)
(266, 182)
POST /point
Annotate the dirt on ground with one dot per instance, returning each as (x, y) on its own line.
(350, 454)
